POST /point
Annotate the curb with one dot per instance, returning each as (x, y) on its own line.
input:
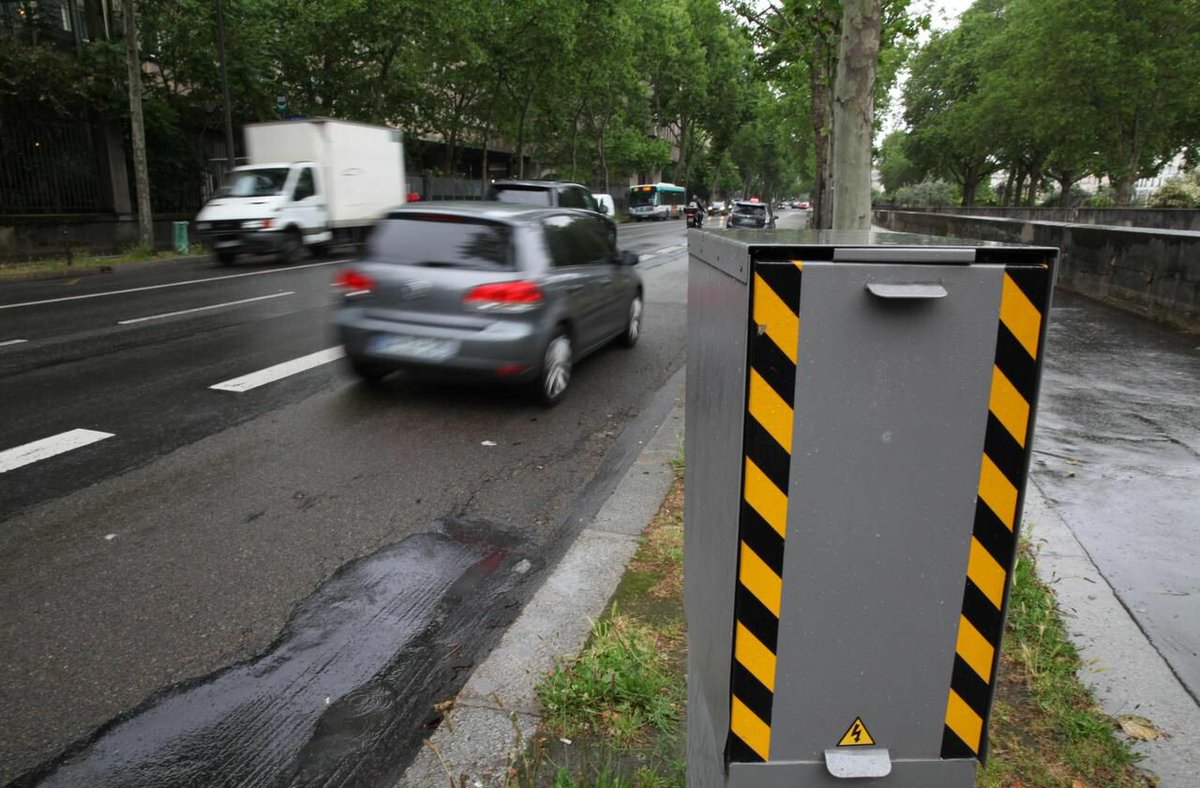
(1120, 664)
(496, 713)
(94, 270)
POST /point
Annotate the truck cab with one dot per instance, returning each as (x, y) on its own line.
(274, 209)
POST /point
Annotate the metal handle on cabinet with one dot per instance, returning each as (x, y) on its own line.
(906, 291)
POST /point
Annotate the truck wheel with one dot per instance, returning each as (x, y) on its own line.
(290, 245)
(226, 258)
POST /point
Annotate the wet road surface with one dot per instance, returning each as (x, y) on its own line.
(1118, 452)
(346, 687)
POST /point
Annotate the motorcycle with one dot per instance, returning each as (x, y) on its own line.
(695, 216)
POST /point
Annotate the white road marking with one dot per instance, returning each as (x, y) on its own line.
(171, 284)
(12, 342)
(202, 308)
(11, 459)
(280, 371)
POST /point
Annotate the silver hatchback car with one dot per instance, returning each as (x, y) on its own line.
(491, 290)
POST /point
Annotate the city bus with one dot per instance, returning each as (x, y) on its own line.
(656, 201)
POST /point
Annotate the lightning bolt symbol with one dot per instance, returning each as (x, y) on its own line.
(856, 732)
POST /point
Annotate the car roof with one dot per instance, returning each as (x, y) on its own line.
(536, 184)
(482, 209)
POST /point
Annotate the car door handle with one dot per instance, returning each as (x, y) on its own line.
(906, 291)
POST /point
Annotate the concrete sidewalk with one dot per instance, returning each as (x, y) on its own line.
(496, 714)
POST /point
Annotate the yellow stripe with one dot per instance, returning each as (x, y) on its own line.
(1009, 406)
(1020, 315)
(988, 575)
(755, 657)
(779, 322)
(771, 411)
(750, 729)
(799, 264)
(974, 649)
(997, 492)
(962, 719)
(766, 498)
(760, 580)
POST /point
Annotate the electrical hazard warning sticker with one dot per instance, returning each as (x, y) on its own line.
(856, 735)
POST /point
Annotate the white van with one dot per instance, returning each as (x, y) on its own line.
(308, 183)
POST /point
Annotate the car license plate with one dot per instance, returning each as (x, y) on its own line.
(419, 348)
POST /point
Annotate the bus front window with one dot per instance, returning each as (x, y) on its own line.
(641, 199)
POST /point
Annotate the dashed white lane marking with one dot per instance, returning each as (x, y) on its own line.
(11, 459)
(280, 371)
(12, 342)
(202, 308)
(171, 284)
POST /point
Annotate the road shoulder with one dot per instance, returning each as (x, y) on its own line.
(496, 714)
(1121, 666)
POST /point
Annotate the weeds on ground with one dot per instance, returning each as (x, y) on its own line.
(86, 259)
(1046, 729)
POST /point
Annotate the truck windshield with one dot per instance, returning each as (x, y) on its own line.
(254, 183)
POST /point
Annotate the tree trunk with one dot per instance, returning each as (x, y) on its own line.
(821, 99)
(521, 134)
(1008, 186)
(1124, 184)
(853, 114)
(141, 172)
(1065, 181)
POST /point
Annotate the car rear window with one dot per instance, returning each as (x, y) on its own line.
(441, 241)
(751, 210)
(523, 195)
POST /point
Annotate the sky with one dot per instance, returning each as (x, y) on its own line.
(944, 15)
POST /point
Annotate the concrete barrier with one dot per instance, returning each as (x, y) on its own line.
(1149, 218)
(1150, 271)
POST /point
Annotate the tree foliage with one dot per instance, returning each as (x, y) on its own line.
(1057, 89)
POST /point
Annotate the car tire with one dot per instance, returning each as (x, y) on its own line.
(555, 374)
(633, 323)
(369, 371)
(226, 258)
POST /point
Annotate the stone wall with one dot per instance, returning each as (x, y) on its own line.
(1150, 271)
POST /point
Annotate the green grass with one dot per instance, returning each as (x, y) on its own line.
(628, 731)
(1046, 729)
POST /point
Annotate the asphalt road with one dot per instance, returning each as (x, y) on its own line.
(184, 543)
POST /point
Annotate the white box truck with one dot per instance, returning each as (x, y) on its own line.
(308, 183)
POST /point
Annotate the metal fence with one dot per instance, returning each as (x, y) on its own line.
(47, 165)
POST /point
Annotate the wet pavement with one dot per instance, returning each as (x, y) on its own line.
(345, 691)
(1118, 453)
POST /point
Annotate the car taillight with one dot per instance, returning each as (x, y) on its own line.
(354, 282)
(506, 297)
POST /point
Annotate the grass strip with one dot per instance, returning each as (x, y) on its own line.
(606, 730)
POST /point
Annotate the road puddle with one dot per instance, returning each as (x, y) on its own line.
(345, 694)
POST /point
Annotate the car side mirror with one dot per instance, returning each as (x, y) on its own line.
(628, 258)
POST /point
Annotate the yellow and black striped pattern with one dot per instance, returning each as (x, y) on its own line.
(762, 526)
(1023, 306)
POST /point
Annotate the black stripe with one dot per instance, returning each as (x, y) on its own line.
(1032, 280)
(970, 687)
(992, 533)
(776, 368)
(784, 279)
(1003, 450)
(954, 747)
(1016, 363)
(978, 609)
(764, 540)
(754, 616)
(767, 454)
(737, 751)
(751, 692)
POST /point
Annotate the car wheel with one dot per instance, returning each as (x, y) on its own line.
(556, 369)
(370, 371)
(226, 258)
(633, 325)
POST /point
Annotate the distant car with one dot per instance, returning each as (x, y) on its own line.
(551, 194)
(746, 213)
(509, 293)
(718, 208)
(803, 206)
